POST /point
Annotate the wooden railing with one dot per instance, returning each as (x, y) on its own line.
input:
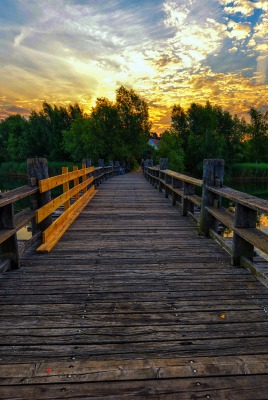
(78, 188)
(208, 211)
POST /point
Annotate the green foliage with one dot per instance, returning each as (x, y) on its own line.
(20, 169)
(114, 130)
(80, 141)
(258, 136)
(151, 152)
(13, 168)
(108, 132)
(134, 120)
(120, 131)
(170, 147)
(208, 132)
(12, 135)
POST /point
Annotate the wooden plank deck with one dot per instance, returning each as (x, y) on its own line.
(132, 303)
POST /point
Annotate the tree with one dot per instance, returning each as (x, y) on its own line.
(170, 146)
(80, 141)
(46, 127)
(108, 130)
(205, 140)
(134, 119)
(180, 124)
(258, 137)
(12, 138)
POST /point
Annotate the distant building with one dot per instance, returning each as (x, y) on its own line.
(154, 143)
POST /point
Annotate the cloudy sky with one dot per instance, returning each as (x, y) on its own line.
(169, 51)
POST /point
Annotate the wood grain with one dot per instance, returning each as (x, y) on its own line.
(132, 303)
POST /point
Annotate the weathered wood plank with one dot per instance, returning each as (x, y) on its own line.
(132, 303)
(121, 370)
(239, 387)
(54, 204)
(17, 194)
(50, 183)
(239, 197)
(57, 229)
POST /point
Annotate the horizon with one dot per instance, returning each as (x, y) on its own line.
(168, 52)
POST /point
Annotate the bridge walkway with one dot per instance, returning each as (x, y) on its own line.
(132, 303)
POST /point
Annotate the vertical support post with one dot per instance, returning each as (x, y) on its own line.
(163, 163)
(245, 217)
(168, 182)
(84, 177)
(116, 169)
(213, 173)
(101, 164)
(187, 205)
(37, 169)
(76, 182)
(87, 162)
(111, 171)
(162, 176)
(10, 246)
(65, 188)
(176, 184)
(156, 178)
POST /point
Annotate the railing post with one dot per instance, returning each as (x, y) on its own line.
(147, 164)
(245, 217)
(111, 165)
(176, 184)
(163, 163)
(37, 169)
(187, 205)
(87, 162)
(101, 164)
(75, 183)
(65, 188)
(213, 173)
(162, 176)
(116, 165)
(156, 178)
(168, 182)
(9, 247)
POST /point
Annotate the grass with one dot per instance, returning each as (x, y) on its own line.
(249, 171)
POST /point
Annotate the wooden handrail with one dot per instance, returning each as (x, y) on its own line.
(83, 185)
(81, 193)
(209, 211)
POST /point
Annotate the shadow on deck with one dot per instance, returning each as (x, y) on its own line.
(132, 303)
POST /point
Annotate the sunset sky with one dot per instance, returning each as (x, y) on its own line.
(169, 51)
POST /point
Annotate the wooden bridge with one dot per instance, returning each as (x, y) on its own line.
(133, 303)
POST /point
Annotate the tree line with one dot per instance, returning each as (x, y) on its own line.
(116, 130)
(207, 131)
(120, 130)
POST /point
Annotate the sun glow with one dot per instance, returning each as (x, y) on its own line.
(170, 53)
